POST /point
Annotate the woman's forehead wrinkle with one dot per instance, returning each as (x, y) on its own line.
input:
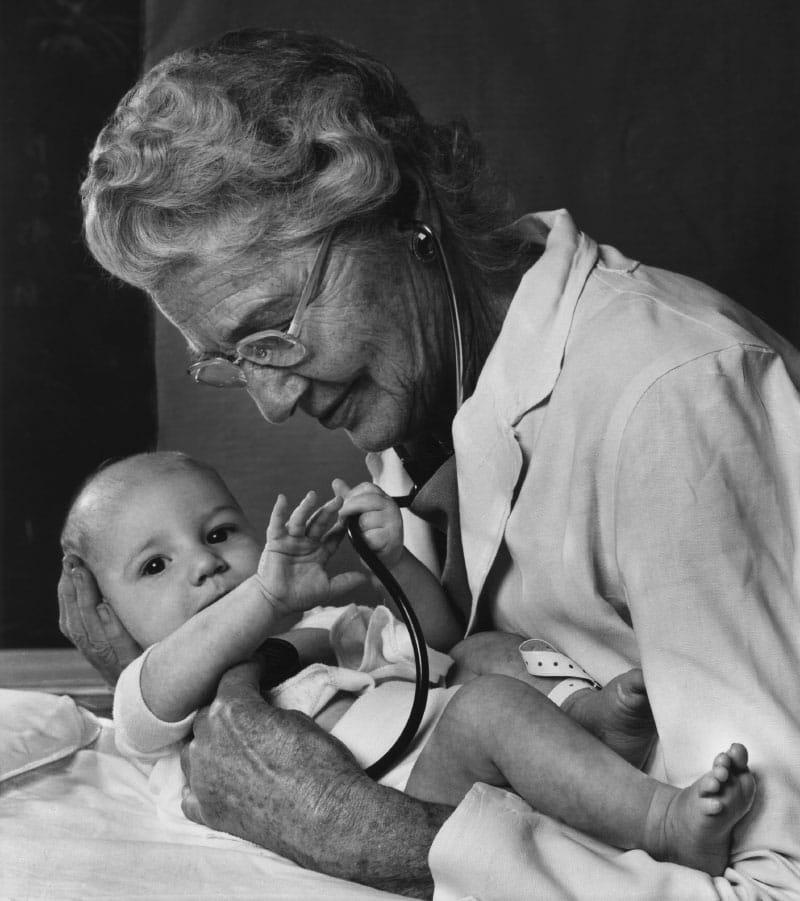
(211, 307)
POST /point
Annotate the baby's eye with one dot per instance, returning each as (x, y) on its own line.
(154, 566)
(220, 534)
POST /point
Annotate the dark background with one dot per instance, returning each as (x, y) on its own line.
(668, 130)
(78, 379)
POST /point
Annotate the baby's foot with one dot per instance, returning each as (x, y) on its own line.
(693, 826)
(619, 715)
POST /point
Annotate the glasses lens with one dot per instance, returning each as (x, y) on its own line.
(218, 373)
(271, 349)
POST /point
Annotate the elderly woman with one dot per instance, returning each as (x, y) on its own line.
(608, 453)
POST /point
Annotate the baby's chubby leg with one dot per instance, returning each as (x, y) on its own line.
(619, 714)
(497, 730)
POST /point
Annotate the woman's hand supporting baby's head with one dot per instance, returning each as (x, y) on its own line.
(91, 625)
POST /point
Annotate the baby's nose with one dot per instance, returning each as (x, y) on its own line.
(206, 565)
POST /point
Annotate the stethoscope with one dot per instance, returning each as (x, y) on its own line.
(407, 615)
(417, 637)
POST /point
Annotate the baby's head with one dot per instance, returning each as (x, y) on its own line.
(164, 538)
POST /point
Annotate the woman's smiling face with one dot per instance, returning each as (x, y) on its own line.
(377, 336)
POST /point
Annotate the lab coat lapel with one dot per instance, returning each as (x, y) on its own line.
(519, 374)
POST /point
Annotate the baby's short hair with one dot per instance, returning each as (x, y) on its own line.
(98, 489)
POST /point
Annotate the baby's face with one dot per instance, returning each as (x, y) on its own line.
(172, 547)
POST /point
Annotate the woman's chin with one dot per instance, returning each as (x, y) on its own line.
(368, 425)
(373, 434)
(367, 442)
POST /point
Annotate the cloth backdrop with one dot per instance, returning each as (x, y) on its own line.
(669, 130)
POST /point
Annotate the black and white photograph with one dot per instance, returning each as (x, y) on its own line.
(400, 450)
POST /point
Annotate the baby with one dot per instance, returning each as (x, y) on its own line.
(179, 563)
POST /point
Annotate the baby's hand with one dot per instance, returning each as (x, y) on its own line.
(299, 545)
(378, 516)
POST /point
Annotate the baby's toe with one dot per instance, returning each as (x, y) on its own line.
(631, 692)
(721, 772)
(709, 785)
(747, 784)
(634, 681)
(738, 755)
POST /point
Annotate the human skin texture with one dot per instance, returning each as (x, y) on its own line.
(329, 816)
(377, 334)
(379, 367)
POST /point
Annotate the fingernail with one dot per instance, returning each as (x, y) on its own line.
(102, 612)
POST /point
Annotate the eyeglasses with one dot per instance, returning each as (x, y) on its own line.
(268, 348)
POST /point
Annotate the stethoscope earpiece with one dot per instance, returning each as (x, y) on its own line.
(426, 246)
(423, 242)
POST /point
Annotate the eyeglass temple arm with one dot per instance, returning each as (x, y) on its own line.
(312, 283)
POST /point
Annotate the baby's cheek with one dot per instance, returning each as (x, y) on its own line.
(249, 558)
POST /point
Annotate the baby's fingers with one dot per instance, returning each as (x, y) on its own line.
(363, 502)
(298, 522)
(371, 520)
(323, 519)
(276, 528)
(340, 488)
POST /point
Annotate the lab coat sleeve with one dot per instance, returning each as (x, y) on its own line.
(707, 514)
(708, 550)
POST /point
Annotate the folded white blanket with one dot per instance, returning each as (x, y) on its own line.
(86, 826)
(37, 729)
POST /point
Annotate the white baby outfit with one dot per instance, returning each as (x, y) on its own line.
(374, 662)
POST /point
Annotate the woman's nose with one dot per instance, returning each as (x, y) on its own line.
(207, 564)
(275, 391)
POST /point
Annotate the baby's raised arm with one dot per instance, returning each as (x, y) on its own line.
(181, 671)
(382, 528)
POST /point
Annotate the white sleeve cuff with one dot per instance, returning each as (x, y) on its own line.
(138, 732)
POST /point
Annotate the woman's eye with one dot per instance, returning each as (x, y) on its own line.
(221, 533)
(154, 566)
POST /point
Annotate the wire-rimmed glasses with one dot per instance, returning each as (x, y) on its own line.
(271, 347)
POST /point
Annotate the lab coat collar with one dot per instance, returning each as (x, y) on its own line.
(524, 364)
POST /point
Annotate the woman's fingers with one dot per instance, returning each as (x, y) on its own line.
(189, 803)
(91, 625)
(87, 596)
(67, 600)
(124, 646)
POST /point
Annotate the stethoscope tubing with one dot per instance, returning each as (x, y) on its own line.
(409, 618)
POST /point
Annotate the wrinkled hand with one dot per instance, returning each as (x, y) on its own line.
(299, 546)
(91, 625)
(273, 777)
(378, 516)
